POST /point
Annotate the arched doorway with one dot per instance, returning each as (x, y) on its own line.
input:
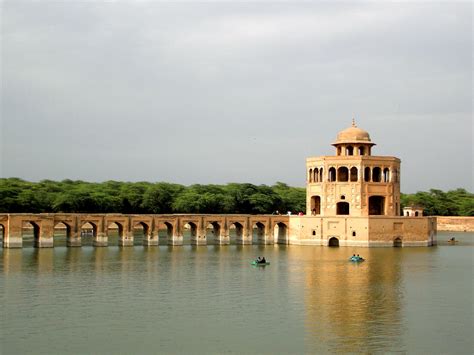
(354, 175)
(316, 175)
(397, 242)
(376, 174)
(333, 242)
(342, 208)
(332, 175)
(315, 205)
(367, 174)
(376, 205)
(342, 174)
(280, 233)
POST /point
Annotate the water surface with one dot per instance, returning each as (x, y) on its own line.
(209, 299)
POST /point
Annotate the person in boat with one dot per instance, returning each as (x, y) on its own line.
(453, 239)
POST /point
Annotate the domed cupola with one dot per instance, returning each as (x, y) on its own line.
(353, 141)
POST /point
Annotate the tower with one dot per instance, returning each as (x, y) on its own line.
(353, 182)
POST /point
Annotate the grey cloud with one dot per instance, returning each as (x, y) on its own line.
(212, 93)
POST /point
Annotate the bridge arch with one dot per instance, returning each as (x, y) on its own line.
(213, 232)
(258, 233)
(114, 232)
(280, 232)
(141, 231)
(236, 232)
(61, 233)
(30, 233)
(165, 231)
(189, 231)
(88, 232)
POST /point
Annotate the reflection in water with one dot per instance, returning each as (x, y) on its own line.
(352, 307)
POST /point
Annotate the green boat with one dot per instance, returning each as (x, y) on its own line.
(256, 263)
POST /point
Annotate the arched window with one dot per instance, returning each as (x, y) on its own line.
(321, 175)
(338, 150)
(377, 174)
(310, 177)
(342, 174)
(386, 175)
(315, 175)
(361, 151)
(354, 174)
(367, 174)
(350, 150)
(332, 175)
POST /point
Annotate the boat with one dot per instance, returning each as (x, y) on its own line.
(256, 263)
(356, 258)
(453, 241)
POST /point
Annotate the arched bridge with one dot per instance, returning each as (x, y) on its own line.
(268, 229)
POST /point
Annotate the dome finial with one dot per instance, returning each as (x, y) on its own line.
(354, 122)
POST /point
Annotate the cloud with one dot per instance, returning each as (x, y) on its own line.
(175, 86)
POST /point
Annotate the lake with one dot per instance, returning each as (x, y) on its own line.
(210, 300)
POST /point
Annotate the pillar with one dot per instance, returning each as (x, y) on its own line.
(126, 239)
(100, 239)
(245, 238)
(200, 237)
(175, 239)
(223, 239)
(12, 237)
(74, 238)
(46, 232)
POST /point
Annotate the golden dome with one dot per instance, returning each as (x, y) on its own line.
(353, 134)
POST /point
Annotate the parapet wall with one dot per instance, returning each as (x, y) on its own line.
(455, 224)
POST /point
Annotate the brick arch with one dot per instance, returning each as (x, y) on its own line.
(68, 226)
(280, 232)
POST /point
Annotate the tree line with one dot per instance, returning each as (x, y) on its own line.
(20, 196)
(68, 196)
(435, 202)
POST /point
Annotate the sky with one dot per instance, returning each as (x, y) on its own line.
(216, 92)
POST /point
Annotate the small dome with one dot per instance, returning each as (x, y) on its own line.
(353, 134)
